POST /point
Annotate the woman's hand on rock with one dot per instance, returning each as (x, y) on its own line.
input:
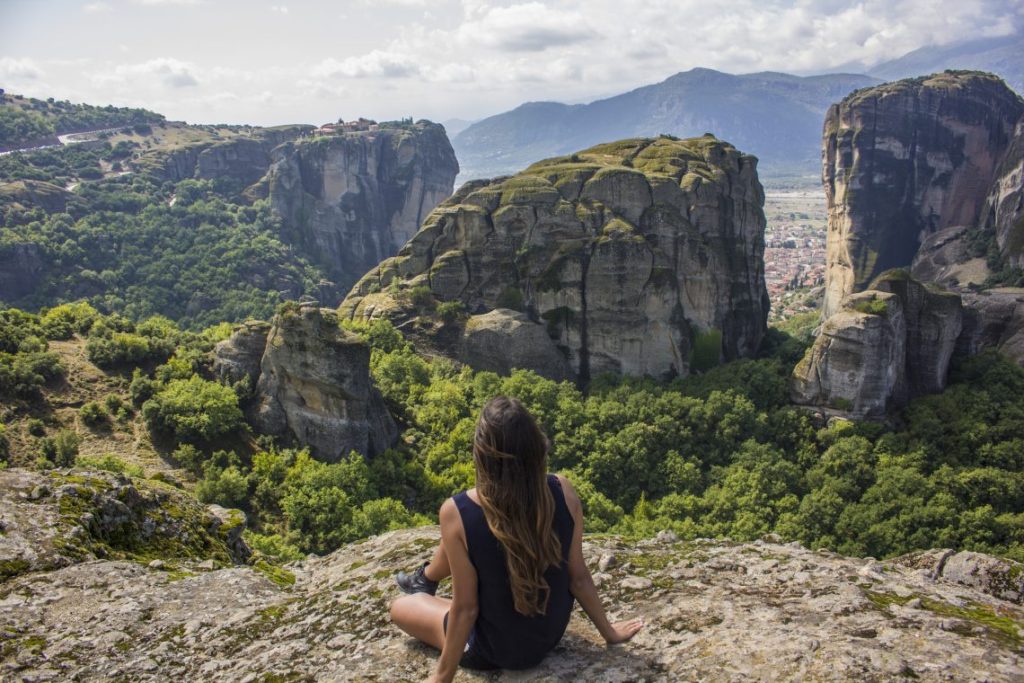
(624, 630)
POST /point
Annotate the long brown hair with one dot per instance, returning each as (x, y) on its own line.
(511, 456)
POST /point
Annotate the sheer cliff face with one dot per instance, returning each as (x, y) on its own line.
(352, 200)
(905, 160)
(1004, 209)
(634, 257)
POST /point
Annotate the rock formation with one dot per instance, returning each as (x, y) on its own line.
(241, 160)
(238, 358)
(503, 340)
(906, 160)
(314, 385)
(885, 345)
(56, 519)
(22, 270)
(714, 611)
(352, 200)
(926, 174)
(1003, 215)
(994, 319)
(634, 257)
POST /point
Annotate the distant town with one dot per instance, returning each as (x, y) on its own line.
(794, 255)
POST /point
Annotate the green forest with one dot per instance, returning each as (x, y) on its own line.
(26, 119)
(720, 454)
(139, 247)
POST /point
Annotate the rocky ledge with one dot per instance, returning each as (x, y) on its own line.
(715, 611)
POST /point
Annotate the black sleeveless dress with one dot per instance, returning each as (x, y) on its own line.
(502, 636)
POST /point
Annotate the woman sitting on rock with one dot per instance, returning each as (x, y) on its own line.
(514, 549)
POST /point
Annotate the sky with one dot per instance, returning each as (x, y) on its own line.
(313, 61)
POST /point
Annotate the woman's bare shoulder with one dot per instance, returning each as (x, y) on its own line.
(571, 498)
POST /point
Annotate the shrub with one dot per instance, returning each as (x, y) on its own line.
(227, 487)
(142, 388)
(450, 311)
(194, 409)
(108, 462)
(273, 547)
(5, 444)
(93, 415)
(36, 427)
(61, 449)
(189, 457)
(122, 349)
(61, 322)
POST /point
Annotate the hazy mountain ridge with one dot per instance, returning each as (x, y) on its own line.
(1001, 56)
(774, 116)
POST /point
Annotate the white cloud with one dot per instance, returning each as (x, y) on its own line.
(19, 70)
(168, 72)
(97, 7)
(529, 27)
(375, 64)
(168, 2)
(279, 9)
(396, 3)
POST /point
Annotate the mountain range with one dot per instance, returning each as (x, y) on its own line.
(775, 116)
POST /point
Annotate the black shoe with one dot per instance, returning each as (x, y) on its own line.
(417, 582)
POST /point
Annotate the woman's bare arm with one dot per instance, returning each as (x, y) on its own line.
(581, 584)
(464, 609)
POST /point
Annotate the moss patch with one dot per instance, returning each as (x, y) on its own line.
(281, 577)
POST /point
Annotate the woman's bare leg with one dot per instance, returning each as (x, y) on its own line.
(421, 615)
(439, 568)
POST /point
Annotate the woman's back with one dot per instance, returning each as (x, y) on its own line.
(502, 635)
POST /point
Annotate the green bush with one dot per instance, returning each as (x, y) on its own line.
(273, 546)
(94, 415)
(24, 374)
(194, 409)
(108, 462)
(450, 311)
(5, 445)
(223, 486)
(61, 322)
(60, 449)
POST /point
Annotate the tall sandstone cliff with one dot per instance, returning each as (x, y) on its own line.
(350, 201)
(925, 176)
(633, 257)
(907, 160)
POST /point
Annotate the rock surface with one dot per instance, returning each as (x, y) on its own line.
(238, 357)
(905, 160)
(856, 364)
(350, 201)
(994, 319)
(55, 519)
(503, 339)
(315, 385)
(1003, 214)
(714, 611)
(242, 160)
(22, 270)
(886, 345)
(636, 256)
